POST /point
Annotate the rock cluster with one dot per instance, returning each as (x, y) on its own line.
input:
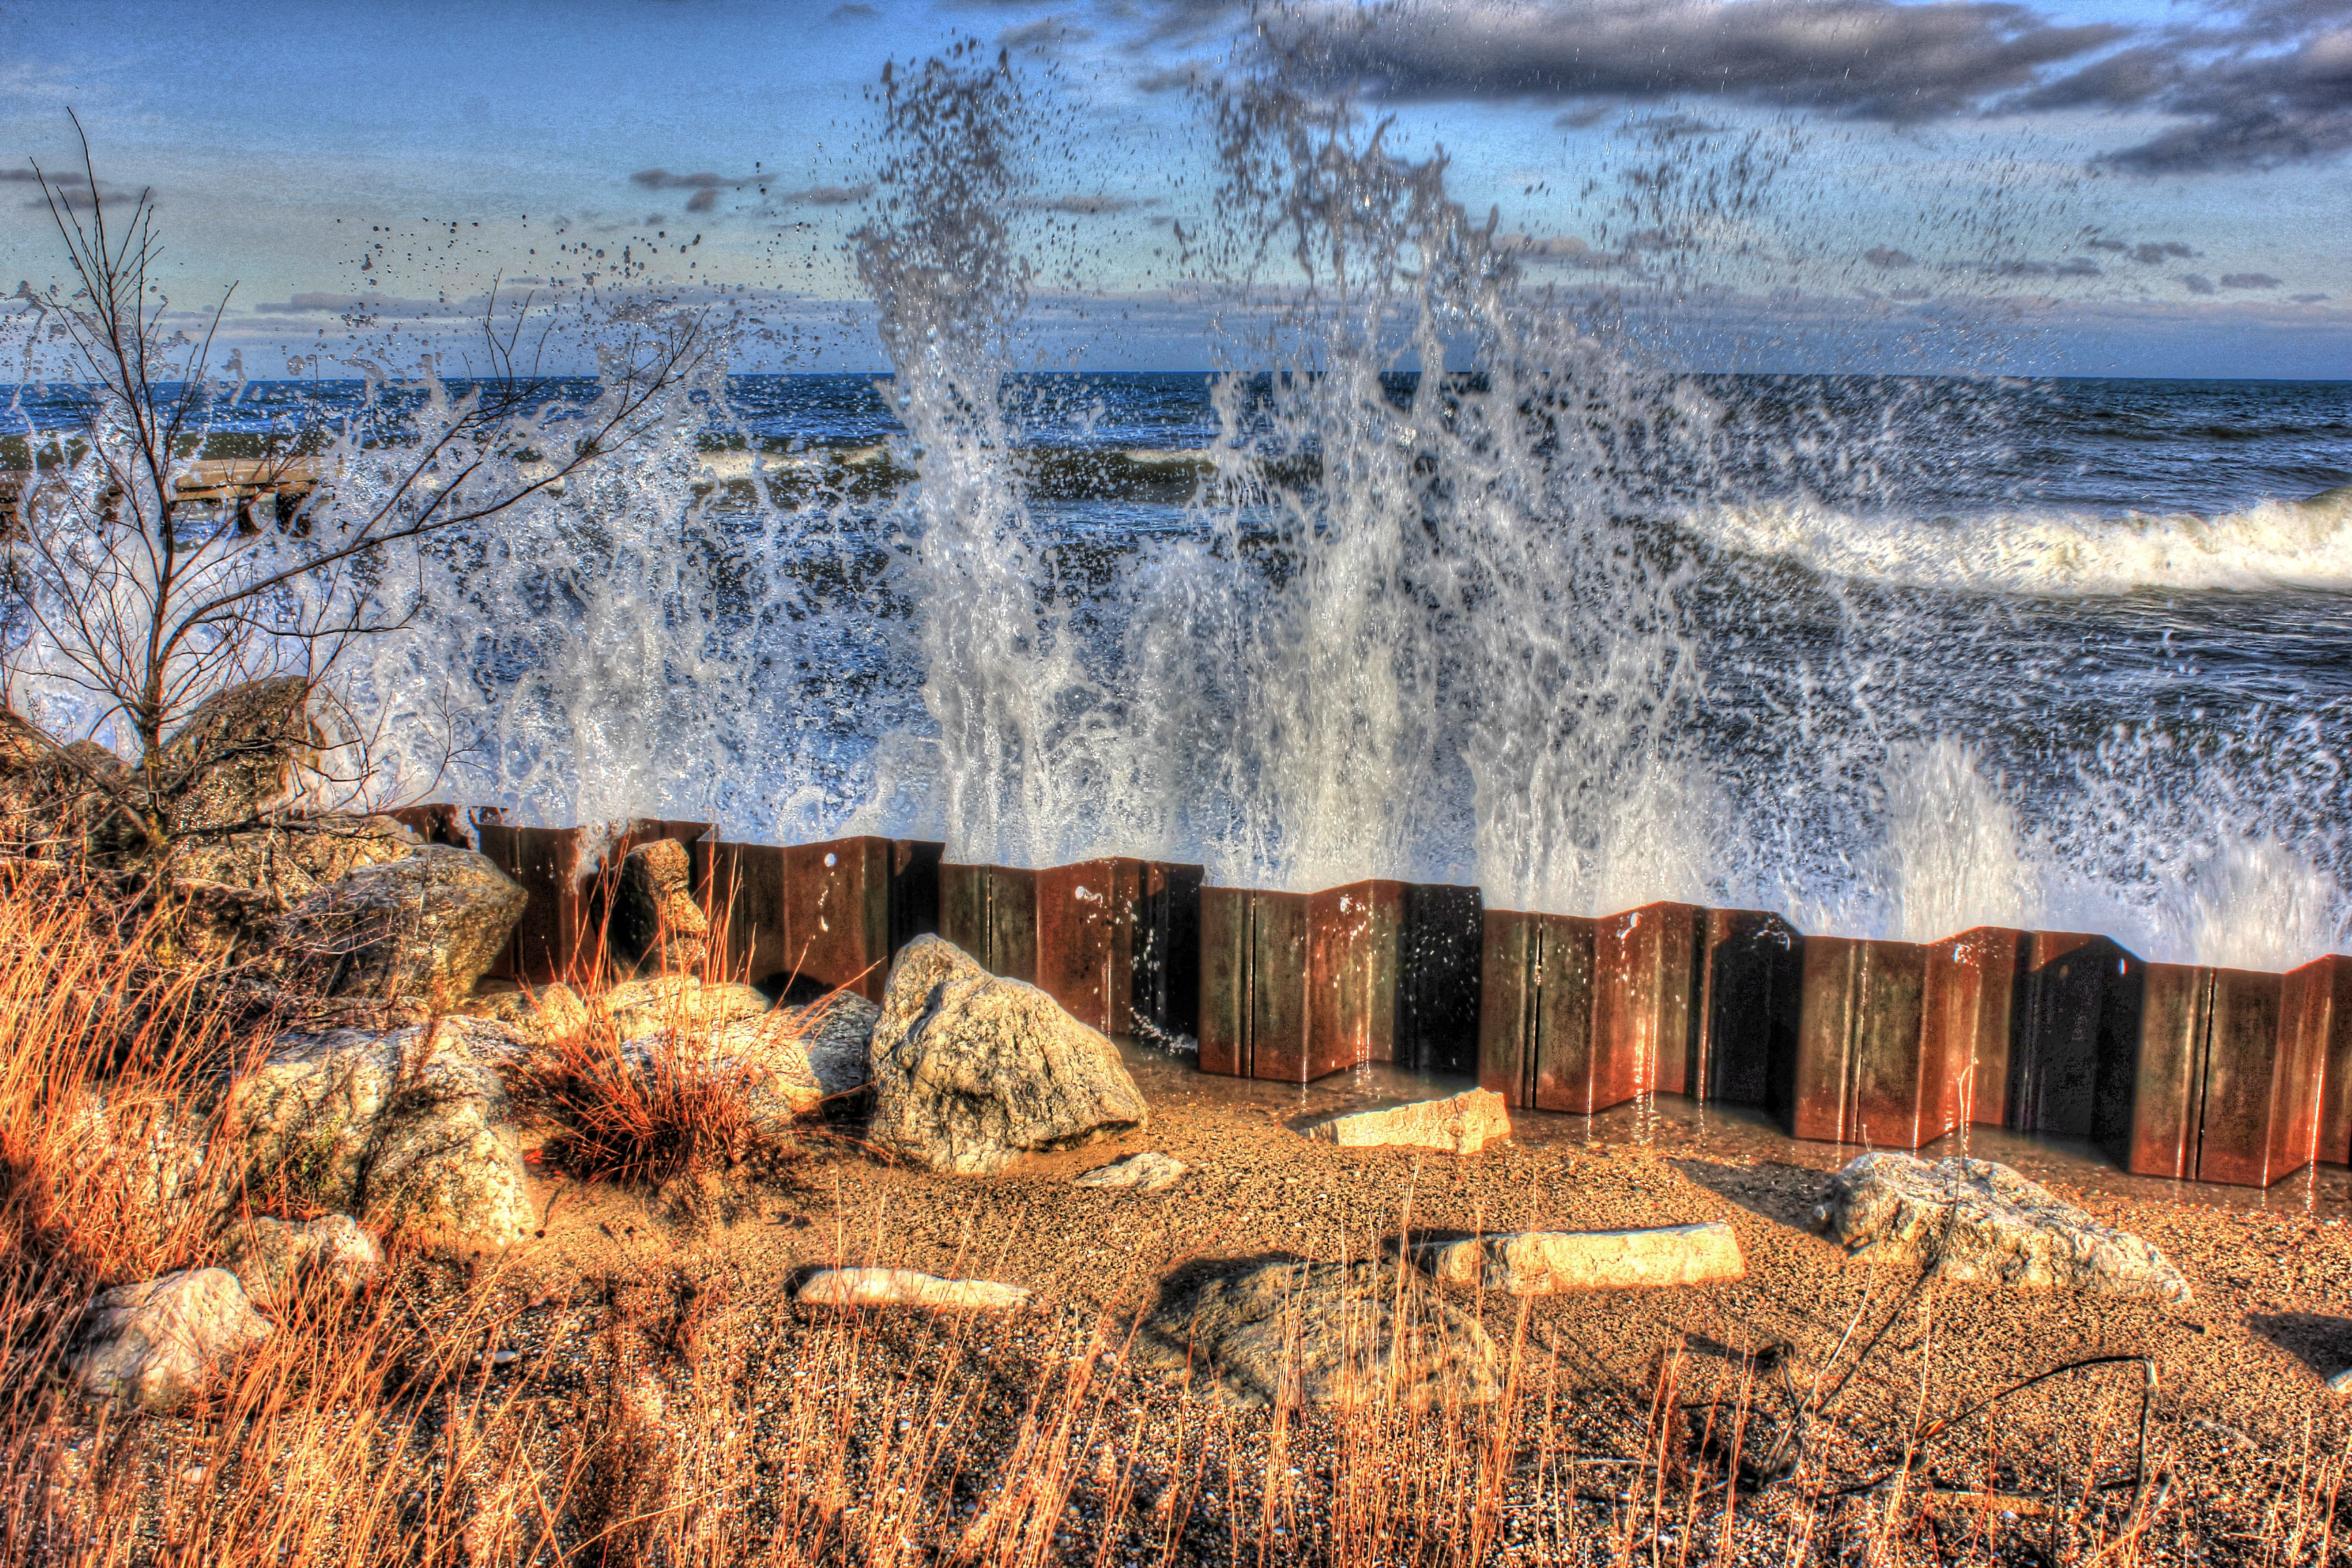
(1964, 1219)
(410, 1130)
(971, 1070)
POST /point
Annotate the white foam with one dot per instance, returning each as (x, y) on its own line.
(2272, 544)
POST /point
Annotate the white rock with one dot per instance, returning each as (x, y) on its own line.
(970, 1070)
(1462, 1124)
(1549, 1262)
(153, 1343)
(905, 1287)
(643, 1007)
(1149, 1172)
(1973, 1220)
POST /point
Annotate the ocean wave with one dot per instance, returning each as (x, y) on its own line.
(2272, 544)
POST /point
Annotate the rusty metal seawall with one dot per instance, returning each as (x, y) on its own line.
(2188, 1072)
(1115, 941)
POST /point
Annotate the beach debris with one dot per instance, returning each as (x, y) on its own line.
(1149, 1172)
(906, 1288)
(272, 1257)
(153, 1343)
(1462, 1124)
(970, 1070)
(1552, 1262)
(1972, 1220)
(1322, 1334)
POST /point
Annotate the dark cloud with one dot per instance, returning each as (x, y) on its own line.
(1046, 36)
(2260, 84)
(2250, 280)
(827, 195)
(2197, 283)
(1869, 58)
(851, 10)
(1083, 204)
(663, 180)
(1887, 256)
(2148, 253)
(347, 304)
(2308, 298)
(2253, 83)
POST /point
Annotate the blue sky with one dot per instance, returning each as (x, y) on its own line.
(2170, 183)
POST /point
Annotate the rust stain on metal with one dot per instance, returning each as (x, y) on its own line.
(2319, 1009)
(1974, 984)
(819, 917)
(1863, 1074)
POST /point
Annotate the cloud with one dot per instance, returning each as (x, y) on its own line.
(851, 10)
(1868, 59)
(2197, 283)
(2308, 298)
(1087, 204)
(2254, 83)
(2261, 83)
(2250, 280)
(827, 195)
(1046, 36)
(663, 180)
(316, 303)
(2148, 253)
(1886, 257)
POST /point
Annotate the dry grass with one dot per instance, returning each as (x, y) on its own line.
(688, 1413)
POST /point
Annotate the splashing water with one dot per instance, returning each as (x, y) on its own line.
(1469, 592)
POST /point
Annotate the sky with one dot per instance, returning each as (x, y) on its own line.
(2099, 187)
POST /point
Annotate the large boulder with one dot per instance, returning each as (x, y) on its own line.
(1964, 1219)
(235, 757)
(970, 1070)
(154, 1344)
(409, 1130)
(423, 927)
(656, 923)
(234, 890)
(1322, 1334)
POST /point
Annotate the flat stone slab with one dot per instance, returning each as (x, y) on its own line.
(1149, 1172)
(1973, 1220)
(906, 1288)
(1553, 1262)
(1321, 1333)
(1462, 1124)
